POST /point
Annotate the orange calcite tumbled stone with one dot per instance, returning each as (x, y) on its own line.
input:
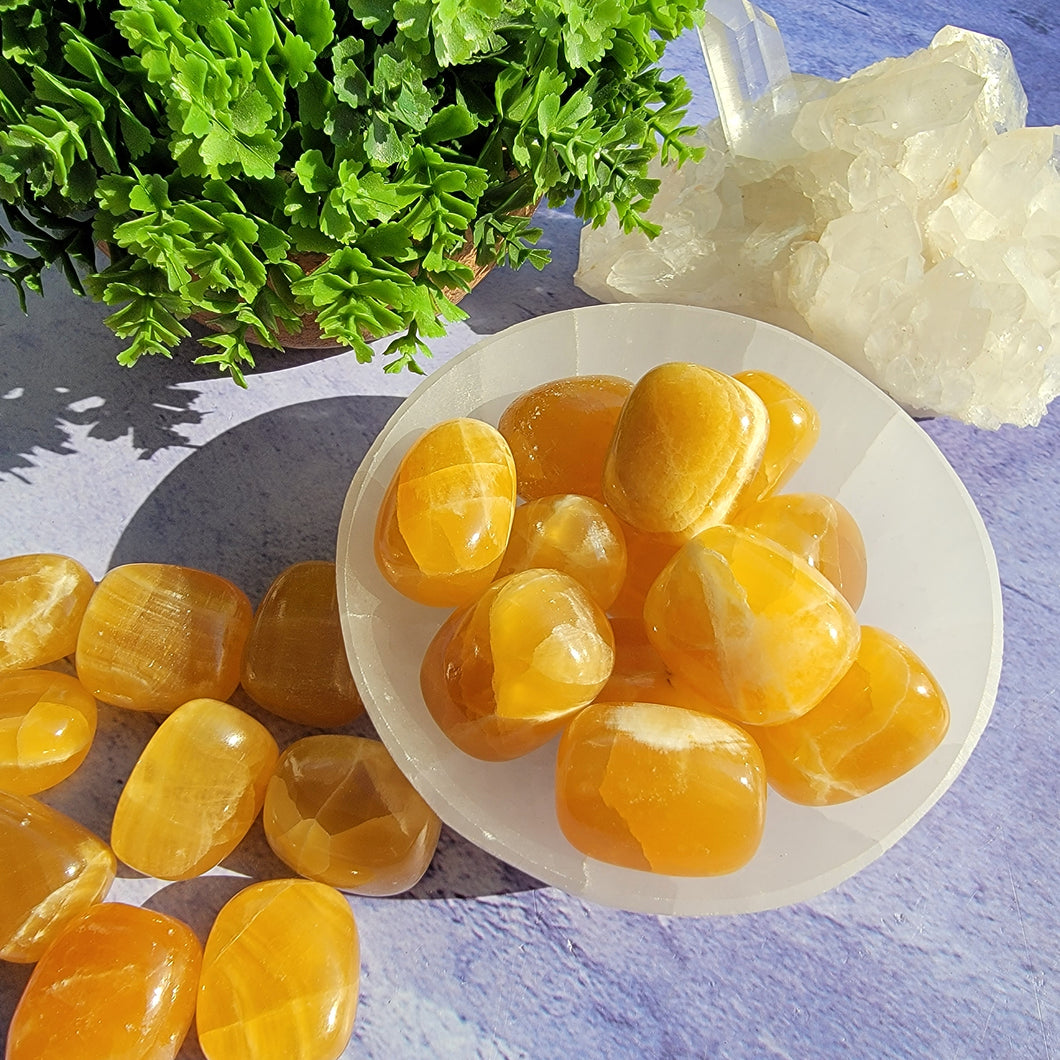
(47, 723)
(885, 716)
(338, 810)
(646, 555)
(640, 675)
(820, 530)
(194, 791)
(53, 869)
(560, 431)
(118, 983)
(750, 626)
(42, 601)
(503, 676)
(280, 975)
(294, 663)
(794, 427)
(661, 788)
(688, 441)
(573, 534)
(156, 635)
(444, 522)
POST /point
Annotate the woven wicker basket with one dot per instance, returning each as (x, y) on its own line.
(311, 337)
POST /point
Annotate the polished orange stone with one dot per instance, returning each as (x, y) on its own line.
(156, 635)
(280, 975)
(445, 518)
(794, 427)
(194, 791)
(53, 869)
(885, 716)
(573, 534)
(118, 983)
(42, 601)
(339, 810)
(820, 530)
(646, 555)
(560, 431)
(640, 675)
(750, 626)
(295, 663)
(657, 787)
(688, 441)
(47, 723)
(503, 676)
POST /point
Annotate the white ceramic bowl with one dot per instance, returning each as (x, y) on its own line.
(932, 581)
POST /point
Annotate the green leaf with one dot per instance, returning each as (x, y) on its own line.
(314, 20)
(464, 28)
(452, 122)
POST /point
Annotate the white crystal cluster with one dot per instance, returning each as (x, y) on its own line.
(905, 219)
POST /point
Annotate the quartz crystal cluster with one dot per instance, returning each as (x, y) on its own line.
(905, 219)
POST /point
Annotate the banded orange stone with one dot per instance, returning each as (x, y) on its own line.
(43, 597)
(560, 431)
(819, 530)
(688, 441)
(54, 869)
(794, 428)
(294, 663)
(503, 676)
(280, 975)
(886, 715)
(47, 724)
(750, 626)
(194, 791)
(657, 787)
(118, 983)
(570, 533)
(155, 635)
(444, 521)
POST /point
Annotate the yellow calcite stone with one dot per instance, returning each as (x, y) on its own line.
(794, 427)
(750, 626)
(688, 441)
(503, 676)
(194, 791)
(53, 869)
(294, 663)
(156, 635)
(42, 601)
(820, 530)
(280, 975)
(47, 723)
(118, 983)
(560, 431)
(657, 787)
(646, 555)
(640, 675)
(573, 534)
(885, 716)
(443, 525)
(338, 810)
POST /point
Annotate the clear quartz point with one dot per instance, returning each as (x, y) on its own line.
(748, 69)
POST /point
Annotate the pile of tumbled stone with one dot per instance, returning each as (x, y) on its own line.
(905, 219)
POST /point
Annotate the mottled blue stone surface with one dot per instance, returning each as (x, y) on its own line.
(947, 947)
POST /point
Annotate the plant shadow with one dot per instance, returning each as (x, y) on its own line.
(60, 380)
(263, 495)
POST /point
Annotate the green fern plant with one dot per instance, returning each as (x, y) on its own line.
(212, 145)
